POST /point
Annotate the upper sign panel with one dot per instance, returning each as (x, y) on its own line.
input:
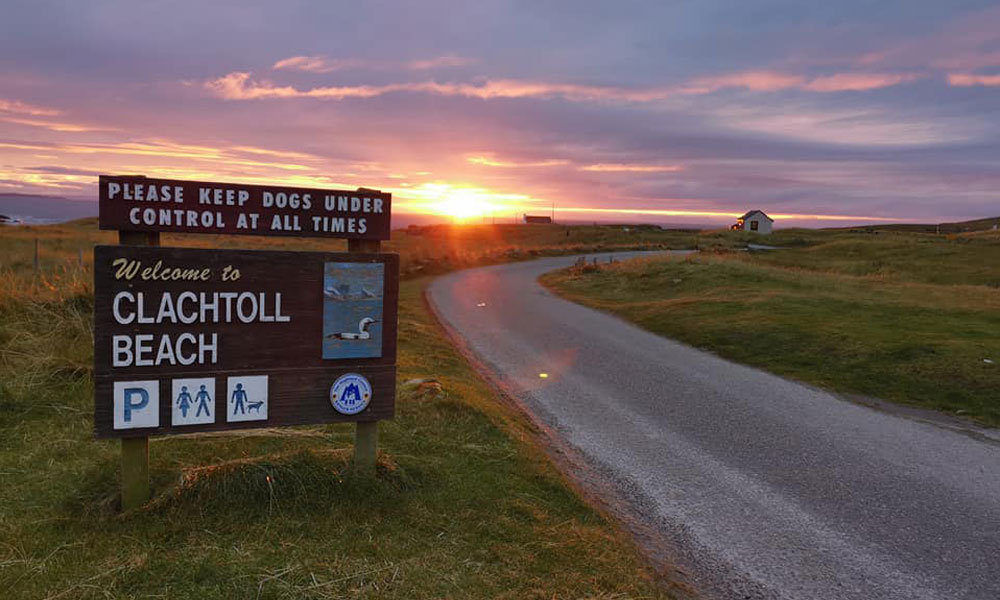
(144, 204)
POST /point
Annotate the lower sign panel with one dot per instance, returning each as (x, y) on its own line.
(176, 403)
(190, 340)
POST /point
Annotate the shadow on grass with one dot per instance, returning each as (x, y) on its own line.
(301, 482)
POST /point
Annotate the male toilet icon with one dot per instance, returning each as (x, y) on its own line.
(203, 399)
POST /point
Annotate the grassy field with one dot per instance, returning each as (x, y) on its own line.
(465, 504)
(907, 317)
(423, 250)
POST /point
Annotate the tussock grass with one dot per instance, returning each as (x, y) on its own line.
(464, 504)
(905, 317)
(423, 250)
(947, 260)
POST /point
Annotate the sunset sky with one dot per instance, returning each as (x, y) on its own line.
(819, 112)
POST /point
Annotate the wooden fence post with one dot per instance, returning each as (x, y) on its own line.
(135, 450)
(365, 433)
(37, 262)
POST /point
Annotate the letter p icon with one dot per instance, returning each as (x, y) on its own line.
(137, 404)
(131, 404)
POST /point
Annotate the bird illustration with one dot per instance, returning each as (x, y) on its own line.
(362, 334)
(333, 293)
(367, 293)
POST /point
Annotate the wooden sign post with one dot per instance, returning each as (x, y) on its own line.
(135, 451)
(365, 433)
(191, 340)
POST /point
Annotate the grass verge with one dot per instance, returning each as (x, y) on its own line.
(464, 506)
(903, 317)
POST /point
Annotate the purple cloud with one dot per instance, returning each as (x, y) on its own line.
(650, 108)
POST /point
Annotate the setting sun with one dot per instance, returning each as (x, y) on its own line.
(461, 202)
(464, 204)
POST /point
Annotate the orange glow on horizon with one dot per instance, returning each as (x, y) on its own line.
(458, 201)
(461, 209)
(465, 205)
(722, 214)
(462, 200)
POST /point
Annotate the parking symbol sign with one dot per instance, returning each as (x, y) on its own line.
(137, 404)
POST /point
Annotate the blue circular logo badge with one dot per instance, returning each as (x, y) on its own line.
(350, 394)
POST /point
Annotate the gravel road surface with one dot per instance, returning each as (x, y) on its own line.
(761, 487)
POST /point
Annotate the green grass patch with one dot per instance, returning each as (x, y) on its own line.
(904, 317)
(948, 260)
(66, 257)
(465, 505)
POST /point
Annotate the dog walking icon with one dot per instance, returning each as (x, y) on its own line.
(247, 398)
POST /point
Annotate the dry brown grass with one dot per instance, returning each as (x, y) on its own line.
(465, 505)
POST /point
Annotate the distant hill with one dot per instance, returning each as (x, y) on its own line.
(38, 209)
(959, 227)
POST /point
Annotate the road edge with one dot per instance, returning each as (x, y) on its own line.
(595, 488)
(954, 423)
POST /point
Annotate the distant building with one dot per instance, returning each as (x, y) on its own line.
(537, 220)
(755, 221)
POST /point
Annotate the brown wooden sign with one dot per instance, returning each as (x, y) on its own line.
(189, 340)
(145, 204)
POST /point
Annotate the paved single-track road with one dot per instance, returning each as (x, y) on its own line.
(762, 487)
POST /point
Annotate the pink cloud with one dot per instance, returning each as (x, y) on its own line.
(966, 43)
(53, 125)
(317, 64)
(773, 81)
(240, 86)
(30, 115)
(491, 161)
(969, 80)
(439, 62)
(756, 81)
(22, 108)
(631, 168)
(324, 64)
(512, 88)
(854, 127)
(856, 82)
